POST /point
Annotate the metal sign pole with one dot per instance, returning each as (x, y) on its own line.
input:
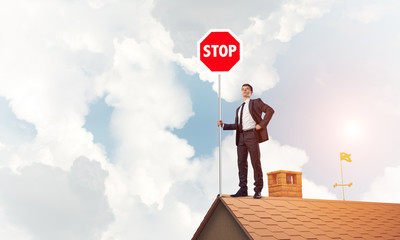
(220, 129)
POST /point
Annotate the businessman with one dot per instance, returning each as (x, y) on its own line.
(251, 129)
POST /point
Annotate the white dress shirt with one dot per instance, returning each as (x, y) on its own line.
(248, 121)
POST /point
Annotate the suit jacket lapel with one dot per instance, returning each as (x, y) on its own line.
(251, 103)
(251, 110)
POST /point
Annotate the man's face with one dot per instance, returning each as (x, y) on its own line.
(246, 91)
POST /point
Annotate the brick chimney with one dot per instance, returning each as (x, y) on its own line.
(284, 183)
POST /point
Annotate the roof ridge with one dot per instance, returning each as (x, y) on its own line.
(304, 199)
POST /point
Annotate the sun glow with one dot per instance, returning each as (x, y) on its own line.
(353, 130)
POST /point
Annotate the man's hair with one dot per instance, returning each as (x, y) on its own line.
(246, 84)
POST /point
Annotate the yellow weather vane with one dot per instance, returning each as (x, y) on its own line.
(346, 157)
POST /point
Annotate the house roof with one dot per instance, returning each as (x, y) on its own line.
(298, 218)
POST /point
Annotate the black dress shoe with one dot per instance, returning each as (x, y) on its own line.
(257, 195)
(240, 193)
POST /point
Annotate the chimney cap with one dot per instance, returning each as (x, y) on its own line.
(284, 171)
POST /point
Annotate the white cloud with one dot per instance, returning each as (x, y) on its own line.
(293, 15)
(147, 102)
(176, 220)
(49, 81)
(46, 83)
(9, 230)
(389, 100)
(312, 190)
(385, 187)
(283, 157)
(368, 13)
(51, 203)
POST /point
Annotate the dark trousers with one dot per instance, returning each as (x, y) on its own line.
(248, 143)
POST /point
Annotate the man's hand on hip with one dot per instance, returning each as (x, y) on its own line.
(258, 127)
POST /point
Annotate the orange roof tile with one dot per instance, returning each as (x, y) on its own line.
(297, 218)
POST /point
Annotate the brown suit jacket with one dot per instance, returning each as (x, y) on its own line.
(256, 108)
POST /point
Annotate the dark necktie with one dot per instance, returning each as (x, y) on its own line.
(241, 117)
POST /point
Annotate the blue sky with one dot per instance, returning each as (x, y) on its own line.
(98, 123)
(14, 130)
(105, 109)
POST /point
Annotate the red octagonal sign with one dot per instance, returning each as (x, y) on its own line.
(219, 50)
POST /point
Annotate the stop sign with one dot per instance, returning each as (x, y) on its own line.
(219, 50)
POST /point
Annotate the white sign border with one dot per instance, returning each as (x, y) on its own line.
(219, 30)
